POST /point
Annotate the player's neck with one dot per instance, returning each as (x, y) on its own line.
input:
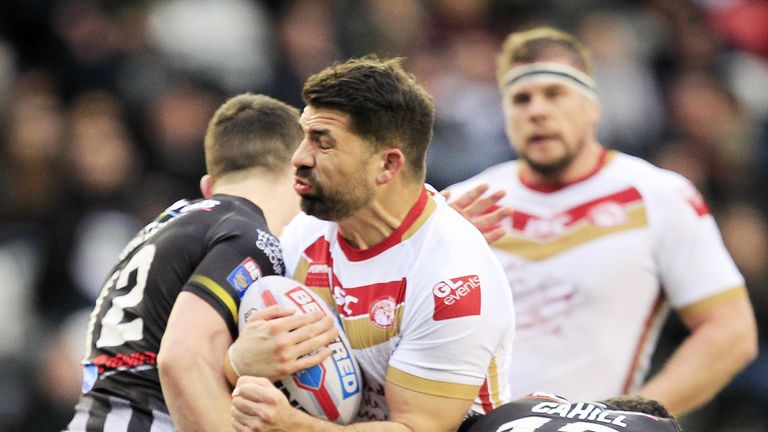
(383, 215)
(586, 163)
(273, 194)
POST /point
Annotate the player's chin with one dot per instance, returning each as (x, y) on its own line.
(547, 164)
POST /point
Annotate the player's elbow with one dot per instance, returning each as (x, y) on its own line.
(745, 341)
(173, 363)
(739, 341)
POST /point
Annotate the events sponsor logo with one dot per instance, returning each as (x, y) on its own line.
(457, 297)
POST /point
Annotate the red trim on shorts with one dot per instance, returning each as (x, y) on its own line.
(485, 397)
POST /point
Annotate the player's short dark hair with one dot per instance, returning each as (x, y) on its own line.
(251, 131)
(542, 44)
(385, 103)
(641, 405)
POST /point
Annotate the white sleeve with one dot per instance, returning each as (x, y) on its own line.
(291, 242)
(459, 188)
(460, 317)
(692, 259)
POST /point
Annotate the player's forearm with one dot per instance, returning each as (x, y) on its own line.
(197, 396)
(305, 423)
(705, 362)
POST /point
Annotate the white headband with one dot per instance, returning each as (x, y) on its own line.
(550, 72)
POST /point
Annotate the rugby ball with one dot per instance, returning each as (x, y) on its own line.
(331, 390)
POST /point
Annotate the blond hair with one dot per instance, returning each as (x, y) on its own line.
(542, 44)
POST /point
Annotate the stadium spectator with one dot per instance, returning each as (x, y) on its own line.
(600, 242)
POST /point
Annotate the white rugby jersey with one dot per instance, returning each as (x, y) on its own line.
(593, 267)
(428, 308)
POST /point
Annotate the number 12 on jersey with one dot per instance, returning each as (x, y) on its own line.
(114, 332)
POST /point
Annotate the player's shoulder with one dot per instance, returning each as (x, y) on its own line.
(209, 211)
(239, 207)
(644, 173)
(451, 247)
(304, 227)
(230, 215)
(497, 175)
(662, 189)
(221, 217)
(449, 227)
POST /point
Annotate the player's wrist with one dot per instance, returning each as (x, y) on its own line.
(232, 371)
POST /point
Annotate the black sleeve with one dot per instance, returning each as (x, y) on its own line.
(230, 266)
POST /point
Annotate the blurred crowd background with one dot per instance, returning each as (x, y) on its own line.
(104, 104)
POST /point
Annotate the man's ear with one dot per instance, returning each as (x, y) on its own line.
(392, 162)
(206, 186)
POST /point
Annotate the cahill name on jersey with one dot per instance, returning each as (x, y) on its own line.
(428, 308)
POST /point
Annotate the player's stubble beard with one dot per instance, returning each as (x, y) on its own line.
(337, 202)
(554, 169)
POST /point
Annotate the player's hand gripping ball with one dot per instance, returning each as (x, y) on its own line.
(331, 390)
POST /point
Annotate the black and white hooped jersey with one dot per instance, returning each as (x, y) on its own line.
(213, 248)
(542, 412)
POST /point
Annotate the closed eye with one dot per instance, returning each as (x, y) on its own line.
(322, 138)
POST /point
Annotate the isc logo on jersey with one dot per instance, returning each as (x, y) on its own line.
(330, 390)
(457, 297)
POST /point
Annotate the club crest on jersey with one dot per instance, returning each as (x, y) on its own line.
(382, 313)
(457, 297)
(608, 214)
(244, 275)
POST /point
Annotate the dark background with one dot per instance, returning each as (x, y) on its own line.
(104, 104)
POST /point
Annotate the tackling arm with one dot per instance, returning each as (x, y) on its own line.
(259, 406)
(275, 343)
(190, 366)
(723, 341)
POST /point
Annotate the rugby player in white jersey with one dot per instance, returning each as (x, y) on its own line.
(600, 244)
(424, 303)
